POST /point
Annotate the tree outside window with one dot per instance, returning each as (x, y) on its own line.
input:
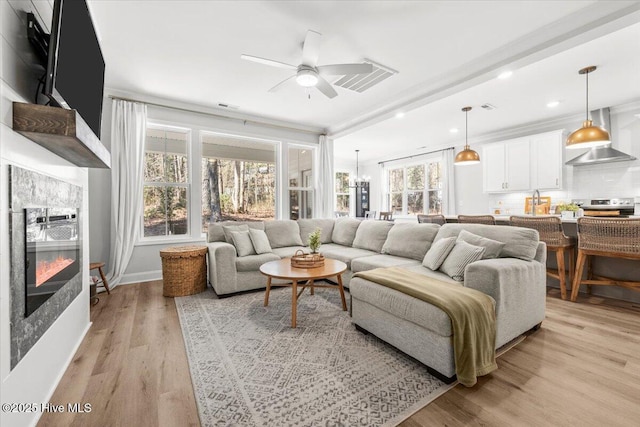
(166, 182)
(415, 189)
(300, 174)
(396, 189)
(342, 192)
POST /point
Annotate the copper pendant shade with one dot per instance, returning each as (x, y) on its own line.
(588, 135)
(466, 156)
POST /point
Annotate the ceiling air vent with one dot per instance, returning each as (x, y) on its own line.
(488, 106)
(223, 105)
(362, 82)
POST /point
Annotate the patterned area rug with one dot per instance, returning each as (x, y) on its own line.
(250, 368)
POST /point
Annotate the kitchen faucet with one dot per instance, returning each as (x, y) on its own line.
(533, 201)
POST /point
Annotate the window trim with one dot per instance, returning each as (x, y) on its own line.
(405, 191)
(348, 193)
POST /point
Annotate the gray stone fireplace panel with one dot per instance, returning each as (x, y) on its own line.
(32, 189)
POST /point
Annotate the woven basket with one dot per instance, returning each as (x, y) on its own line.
(302, 260)
(184, 270)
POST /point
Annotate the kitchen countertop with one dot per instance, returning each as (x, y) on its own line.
(505, 218)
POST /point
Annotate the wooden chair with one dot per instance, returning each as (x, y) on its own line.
(370, 215)
(550, 230)
(386, 216)
(432, 219)
(99, 265)
(477, 219)
(608, 237)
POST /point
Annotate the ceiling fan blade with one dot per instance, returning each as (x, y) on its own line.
(345, 69)
(311, 48)
(279, 85)
(326, 88)
(270, 62)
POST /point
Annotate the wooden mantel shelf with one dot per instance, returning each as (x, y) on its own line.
(62, 132)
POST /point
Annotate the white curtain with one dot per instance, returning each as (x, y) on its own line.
(324, 199)
(128, 127)
(449, 196)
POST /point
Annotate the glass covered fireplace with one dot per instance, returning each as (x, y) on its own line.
(52, 253)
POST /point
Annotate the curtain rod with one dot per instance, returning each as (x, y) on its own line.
(415, 155)
(244, 121)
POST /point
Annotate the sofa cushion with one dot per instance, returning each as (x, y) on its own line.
(410, 240)
(253, 262)
(260, 241)
(289, 251)
(308, 226)
(371, 235)
(215, 233)
(228, 229)
(242, 242)
(378, 261)
(460, 256)
(283, 233)
(438, 252)
(518, 242)
(346, 254)
(344, 231)
(492, 248)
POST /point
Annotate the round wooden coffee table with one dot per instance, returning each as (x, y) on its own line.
(282, 269)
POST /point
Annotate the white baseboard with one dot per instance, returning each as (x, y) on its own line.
(145, 276)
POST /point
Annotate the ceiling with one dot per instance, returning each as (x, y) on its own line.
(447, 55)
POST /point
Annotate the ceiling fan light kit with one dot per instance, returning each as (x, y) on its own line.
(308, 73)
(466, 156)
(588, 135)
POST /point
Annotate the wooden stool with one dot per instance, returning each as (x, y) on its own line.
(99, 266)
(608, 237)
(477, 219)
(550, 230)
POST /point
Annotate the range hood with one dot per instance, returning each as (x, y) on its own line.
(604, 154)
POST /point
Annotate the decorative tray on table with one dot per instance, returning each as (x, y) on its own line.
(302, 260)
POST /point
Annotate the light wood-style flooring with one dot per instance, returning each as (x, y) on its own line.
(581, 369)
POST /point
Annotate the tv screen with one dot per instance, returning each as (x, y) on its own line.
(75, 69)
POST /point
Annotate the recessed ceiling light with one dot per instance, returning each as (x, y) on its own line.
(553, 104)
(505, 74)
(399, 115)
(453, 130)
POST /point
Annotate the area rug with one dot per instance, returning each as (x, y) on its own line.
(250, 368)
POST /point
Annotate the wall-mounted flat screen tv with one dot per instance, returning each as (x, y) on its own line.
(75, 68)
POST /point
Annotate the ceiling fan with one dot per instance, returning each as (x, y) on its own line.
(308, 73)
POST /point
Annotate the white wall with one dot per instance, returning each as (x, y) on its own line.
(145, 262)
(35, 377)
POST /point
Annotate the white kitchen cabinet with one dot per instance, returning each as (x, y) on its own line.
(506, 166)
(546, 160)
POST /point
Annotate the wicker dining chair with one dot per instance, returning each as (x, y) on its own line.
(433, 219)
(608, 237)
(550, 230)
(477, 219)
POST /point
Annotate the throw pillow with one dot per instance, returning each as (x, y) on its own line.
(492, 248)
(460, 256)
(260, 241)
(242, 242)
(438, 252)
(283, 233)
(410, 240)
(227, 229)
(344, 231)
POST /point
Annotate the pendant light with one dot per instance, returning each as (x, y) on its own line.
(466, 156)
(588, 135)
(358, 181)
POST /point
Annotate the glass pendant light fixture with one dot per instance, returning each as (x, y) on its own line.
(588, 135)
(358, 181)
(466, 156)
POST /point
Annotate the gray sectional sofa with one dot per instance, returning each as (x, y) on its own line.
(514, 276)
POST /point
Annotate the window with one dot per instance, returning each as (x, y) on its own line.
(342, 193)
(166, 182)
(300, 182)
(238, 179)
(415, 189)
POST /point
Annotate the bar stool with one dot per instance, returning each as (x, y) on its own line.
(477, 219)
(608, 237)
(99, 266)
(433, 219)
(550, 230)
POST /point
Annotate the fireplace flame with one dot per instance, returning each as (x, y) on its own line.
(47, 269)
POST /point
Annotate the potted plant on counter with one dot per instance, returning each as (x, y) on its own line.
(567, 210)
